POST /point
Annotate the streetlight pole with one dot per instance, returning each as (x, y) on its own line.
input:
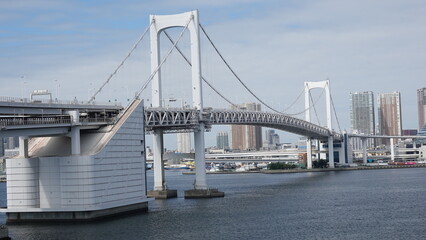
(23, 87)
(56, 85)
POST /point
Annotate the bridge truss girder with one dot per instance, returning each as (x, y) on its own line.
(175, 120)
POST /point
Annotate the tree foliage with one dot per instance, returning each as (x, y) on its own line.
(279, 165)
(320, 164)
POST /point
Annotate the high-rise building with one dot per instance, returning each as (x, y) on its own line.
(271, 138)
(184, 142)
(245, 137)
(389, 113)
(362, 116)
(421, 106)
(222, 140)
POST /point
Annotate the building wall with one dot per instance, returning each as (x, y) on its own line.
(184, 142)
(362, 112)
(362, 115)
(245, 137)
(112, 177)
(222, 140)
(389, 113)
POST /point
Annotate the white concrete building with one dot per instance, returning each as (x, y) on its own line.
(107, 177)
(184, 142)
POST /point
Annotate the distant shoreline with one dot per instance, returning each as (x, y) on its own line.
(282, 171)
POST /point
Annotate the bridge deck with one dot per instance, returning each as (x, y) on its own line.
(173, 119)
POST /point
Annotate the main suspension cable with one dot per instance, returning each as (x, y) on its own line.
(306, 109)
(295, 101)
(315, 109)
(335, 114)
(121, 64)
(236, 76)
(205, 80)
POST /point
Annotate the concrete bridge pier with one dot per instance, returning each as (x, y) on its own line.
(330, 152)
(392, 149)
(23, 146)
(342, 155)
(75, 132)
(364, 150)
(309, 153)
(200, 186)
(75, 140)
(160, 188)
(200, 161)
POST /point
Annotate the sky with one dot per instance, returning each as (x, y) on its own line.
(71, 47)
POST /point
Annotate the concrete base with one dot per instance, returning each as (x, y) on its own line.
(15, 217)
(203, 193)
(162, 194)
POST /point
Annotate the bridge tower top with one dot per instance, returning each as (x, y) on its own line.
(162, 22)
(326, 86)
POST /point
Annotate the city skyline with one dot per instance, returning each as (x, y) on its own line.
(71, 48)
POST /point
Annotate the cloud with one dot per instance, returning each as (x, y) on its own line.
(274, 47)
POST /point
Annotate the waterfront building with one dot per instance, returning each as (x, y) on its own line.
(222, 140)
(422, 132)
(362, 116)
(421, 106)
(246, 137)
(389, 113)
(184, 142)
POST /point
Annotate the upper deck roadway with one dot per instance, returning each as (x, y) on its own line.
(23, 117)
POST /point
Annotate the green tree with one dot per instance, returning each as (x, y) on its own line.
(280, 165)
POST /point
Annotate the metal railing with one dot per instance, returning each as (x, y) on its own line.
(54, 101)
(22, 121)
(66, 119)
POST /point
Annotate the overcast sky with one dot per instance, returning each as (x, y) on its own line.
(71, 47)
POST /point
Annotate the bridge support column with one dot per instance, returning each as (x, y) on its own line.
(342, 155)
(309, 153)
(200, 161)
(364, 150)
(330, 152)
(23, 147)
(200, 187)
(157, 143)
(160, 188)
(75, 140)
(75, 132)
(392, 149)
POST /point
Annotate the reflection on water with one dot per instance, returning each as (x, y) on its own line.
(375, 204)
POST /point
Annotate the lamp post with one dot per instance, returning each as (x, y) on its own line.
(23, 87)
(57, 91)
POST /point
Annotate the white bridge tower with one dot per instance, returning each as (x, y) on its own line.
(160, 23)
(326, 86)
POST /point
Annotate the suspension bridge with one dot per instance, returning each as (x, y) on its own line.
(91, 140)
